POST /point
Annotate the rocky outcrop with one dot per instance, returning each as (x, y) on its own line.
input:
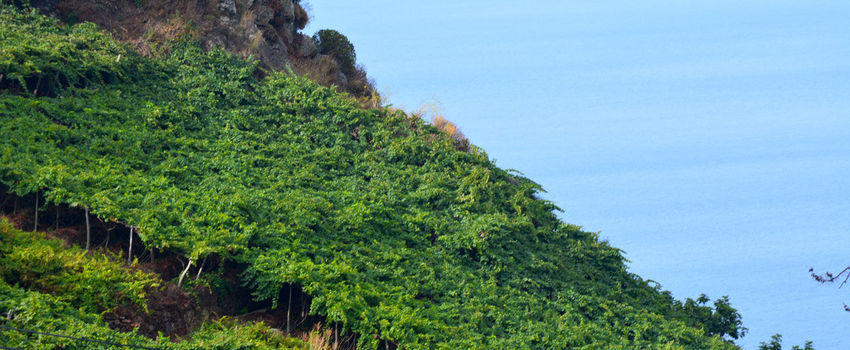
(264, 29)
(268, 30)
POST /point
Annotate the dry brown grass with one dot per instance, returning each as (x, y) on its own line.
(319, 339)
(256, 40)
(323, 69)
(159, 33)
(326, 71)
(247, 19)
(439, 122)
(452, 130)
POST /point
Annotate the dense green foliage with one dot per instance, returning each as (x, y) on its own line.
(42, 312)
(55, 58)
(395, 233)
(722, 319)
(46, 313)
(226, 334)
(776, 344)
(94, 282)
(48, 287)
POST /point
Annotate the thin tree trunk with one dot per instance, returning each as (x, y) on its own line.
(106, 242)
(183, 274)
(130, 249)
(37, 84)
(35, 224)
(15, 206)
(201, 268)
(56, 221)
(151, 254)
(288, 307)
(88, 230)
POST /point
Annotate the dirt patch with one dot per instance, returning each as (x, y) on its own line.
(172, 311)
(175, 312)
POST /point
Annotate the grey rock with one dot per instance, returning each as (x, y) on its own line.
(228, 7)
(287, 10)
(286, 36)
(272, 53)
(263, 15)
(307, 47)
(213, 40)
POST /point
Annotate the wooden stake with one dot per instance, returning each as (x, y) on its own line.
(35, 224)
(130, 249)
(37, 84)
(183, 274)
(88, 230)
(288, 307)
(201, 268)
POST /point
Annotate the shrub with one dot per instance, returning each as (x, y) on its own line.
(47, 313)
(338, 66)
(333, 43)
(93, 281)
(227, 333)
(301, 16)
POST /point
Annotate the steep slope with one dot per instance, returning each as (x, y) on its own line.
(399, 236)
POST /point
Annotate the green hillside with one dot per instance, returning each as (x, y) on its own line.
(397, 234)
(49, 287)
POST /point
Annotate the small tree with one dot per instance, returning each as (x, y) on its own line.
(333, 43)
(720, 320)
(776, 344)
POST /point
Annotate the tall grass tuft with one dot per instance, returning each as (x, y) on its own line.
(452, 130)
(319, 339)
